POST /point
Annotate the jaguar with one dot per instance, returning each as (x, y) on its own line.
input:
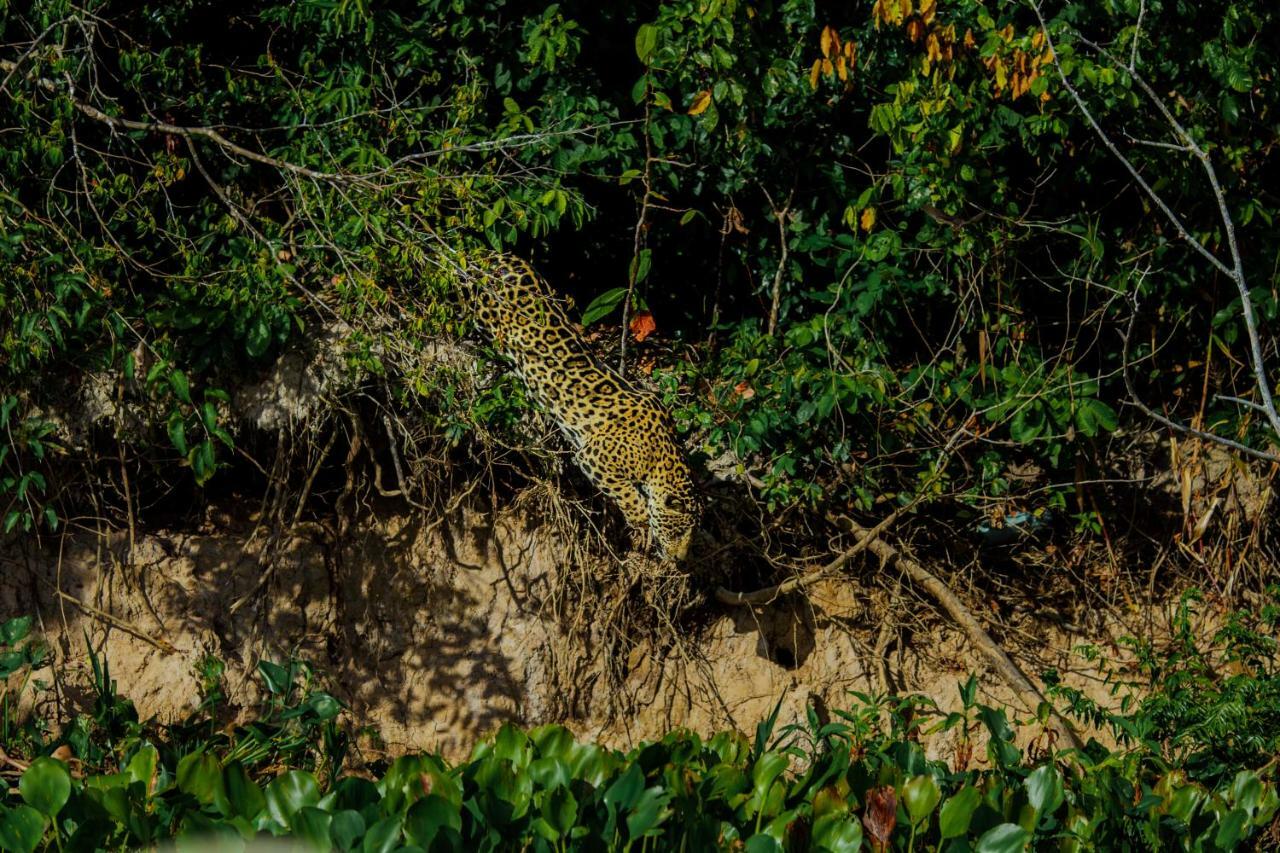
(621, 436)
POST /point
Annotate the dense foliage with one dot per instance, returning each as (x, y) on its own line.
(874, 239)
(858, 779)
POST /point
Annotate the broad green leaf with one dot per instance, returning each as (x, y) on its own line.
(346, 829)
(1044, 790)
(200, 775)
(1005, 838)
(46, 785)
(21, 829)
(920, 796)
(957, 811)
(289, 792)
(15, 630)
(603, 305)
(425, 818)
(646, 41)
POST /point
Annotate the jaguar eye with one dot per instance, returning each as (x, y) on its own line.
(672, 502)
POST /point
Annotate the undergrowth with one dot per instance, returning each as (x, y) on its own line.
(858, 778)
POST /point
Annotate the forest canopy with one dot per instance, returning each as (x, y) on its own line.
(868, 250)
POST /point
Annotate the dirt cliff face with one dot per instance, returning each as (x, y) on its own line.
(435, 634)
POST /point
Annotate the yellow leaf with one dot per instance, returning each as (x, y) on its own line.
(1007, 32)
(904, 7)
(830, 41)
(868, 219)
(969, 43)
(814, 72)
(928, 10)
(842, 70)
(1037, 39)
(827, 68)
(701, 101)
(848, 52)
(932, 48)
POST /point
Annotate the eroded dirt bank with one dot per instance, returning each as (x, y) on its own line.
(436, 634)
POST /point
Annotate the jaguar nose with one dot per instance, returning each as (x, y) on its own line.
(679, 549)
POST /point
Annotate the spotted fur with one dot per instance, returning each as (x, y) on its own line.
(621, 435)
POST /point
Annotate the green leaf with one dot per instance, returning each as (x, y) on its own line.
(276, 677)
(46, 785)
(346, 828)
(181, 388)
(425, 818)
(21, 829)
(603, 305)
(762, 843)
(258, 339)
(837, 833)
(560, 810)
(11, 662)
(1231, 829)
(640, 266)
(244, 797)
(383, 836)
(200, 775)
(290, 792)
(1005, 838)
(15, 630)
(311, 825)
(920, 796)
(646, 41)
(649, 813)
(178, 432)
(953, 820)
(1044, 790)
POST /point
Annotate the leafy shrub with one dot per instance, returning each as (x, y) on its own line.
(1209, 705)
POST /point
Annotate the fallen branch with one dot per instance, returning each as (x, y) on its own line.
(115, 622)
(996, 657)
(771, 593)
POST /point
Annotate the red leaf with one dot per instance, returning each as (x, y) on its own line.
(642, 326)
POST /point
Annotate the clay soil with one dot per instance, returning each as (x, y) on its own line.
(433, 635)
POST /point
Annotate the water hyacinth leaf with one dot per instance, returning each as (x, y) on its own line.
(346, 829)
(425, 818)
(649, 813)
(200, 775)
(288, 793)
(920, 796)
(762, 843)
(1005, 838)
(957, 812)
(837, 833)
(243, 796)
(277, 678)
(21, 828)
(383, 836)
(312, 826)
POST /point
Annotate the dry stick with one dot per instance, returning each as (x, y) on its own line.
(771, 593)
(115, 622)
(776, 297)
(996, 657)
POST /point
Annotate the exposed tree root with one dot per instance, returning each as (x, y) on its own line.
(869, 540)
(991, 650)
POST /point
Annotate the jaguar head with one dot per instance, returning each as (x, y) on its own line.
(674, 514)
